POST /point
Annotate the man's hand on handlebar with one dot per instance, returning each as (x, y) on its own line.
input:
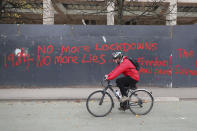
(106, 76)
(105, 81)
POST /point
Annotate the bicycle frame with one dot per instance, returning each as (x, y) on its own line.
(109, 86)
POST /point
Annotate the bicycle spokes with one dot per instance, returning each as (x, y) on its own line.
(99, 103)
(141, 102)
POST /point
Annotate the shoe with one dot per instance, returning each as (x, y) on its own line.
(121, 109)
(124, 98)
(123, 106)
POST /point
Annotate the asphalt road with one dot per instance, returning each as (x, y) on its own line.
(73, 116)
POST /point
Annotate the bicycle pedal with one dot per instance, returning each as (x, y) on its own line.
(121, 109)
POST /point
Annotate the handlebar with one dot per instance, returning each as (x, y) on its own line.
(108, 82)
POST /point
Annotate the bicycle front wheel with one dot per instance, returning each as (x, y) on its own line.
(141, 102)
(99, 104)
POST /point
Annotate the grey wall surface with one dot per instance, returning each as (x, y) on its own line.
(167, 54)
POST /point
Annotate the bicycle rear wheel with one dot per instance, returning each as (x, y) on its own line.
(99, 104)
(141, 102)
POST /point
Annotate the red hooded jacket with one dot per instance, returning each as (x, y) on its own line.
(125, 67)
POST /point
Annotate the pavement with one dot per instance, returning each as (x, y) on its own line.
(73, 116)
(81, 93)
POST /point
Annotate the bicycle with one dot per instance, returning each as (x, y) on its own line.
(100, 102)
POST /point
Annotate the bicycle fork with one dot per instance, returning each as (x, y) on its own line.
(102, 98)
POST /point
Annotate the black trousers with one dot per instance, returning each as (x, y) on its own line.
(124, 83)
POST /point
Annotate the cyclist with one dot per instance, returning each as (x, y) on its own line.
(131, 76)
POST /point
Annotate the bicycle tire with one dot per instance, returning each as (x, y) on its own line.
(94, 99)
(138, 99)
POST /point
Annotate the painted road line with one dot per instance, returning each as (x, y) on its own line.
(166, 99)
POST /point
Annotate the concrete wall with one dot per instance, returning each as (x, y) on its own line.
(63, 55)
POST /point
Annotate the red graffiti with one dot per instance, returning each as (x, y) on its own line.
(80, 55)
(163, 72)
(18, 60)
(11, 59)
(74, 49)
(126, 46)
(39, 62)
(44, 60)
(143, 62)
(66, 59)
(86, 58)
(184, 54)
(49, 49)
(27, 60)
(146, 70)
(93, 59)
(156, 71)
(184, 71)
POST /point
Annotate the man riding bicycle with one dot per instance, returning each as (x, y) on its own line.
(131, 75)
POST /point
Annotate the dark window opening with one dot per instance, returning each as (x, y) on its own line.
(90, 22)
